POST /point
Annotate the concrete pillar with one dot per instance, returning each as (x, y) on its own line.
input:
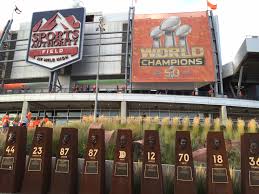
(64, 82)
(223, 115)
(25, 109)
(123, 111)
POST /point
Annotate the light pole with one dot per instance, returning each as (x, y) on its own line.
(100, 29)
(143, 116)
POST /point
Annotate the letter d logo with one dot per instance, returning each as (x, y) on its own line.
(122, 155)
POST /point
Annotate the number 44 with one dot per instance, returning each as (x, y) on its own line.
(10, 149)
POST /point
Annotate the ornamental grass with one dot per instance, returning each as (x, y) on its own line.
(252, 126)
(240, 128)
(167, 128)
(217, 124)
(185, 123)
(229, 129)
(175, 123)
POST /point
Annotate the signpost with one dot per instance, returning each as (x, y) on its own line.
(184, 179)
(122, 176)
(65, 172)
(93, 175)
(250, 163)
(152, 179)
(38, 169)
(12, 163)
(218, 177)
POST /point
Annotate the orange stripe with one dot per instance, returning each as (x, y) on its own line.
(13, 86)
(212, 6)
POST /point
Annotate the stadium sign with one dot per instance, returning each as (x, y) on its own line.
(171, 57)
(173, 48)
(56, 38)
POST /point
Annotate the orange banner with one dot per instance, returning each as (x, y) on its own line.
(172, 48)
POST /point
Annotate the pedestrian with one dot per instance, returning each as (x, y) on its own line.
(211, 92)
(29, 115)
(77, 88)
(37, 122)
(81, 89)
(16, 120)
(84, 118)
(94, 88)
(49, 124)
(74, 88)
(5, 122)
(30, 124)
(25, 121)
(44, 121)
(196, 92)
(123, 88)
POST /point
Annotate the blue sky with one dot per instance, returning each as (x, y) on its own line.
(237, 18)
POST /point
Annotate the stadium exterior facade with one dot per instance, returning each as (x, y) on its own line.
(127, 89)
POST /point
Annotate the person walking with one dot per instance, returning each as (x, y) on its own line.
(30, 125)
(44, 121)
(94, 88)
(5, 122)
(25, 121)
(16, 120)
(36, 122)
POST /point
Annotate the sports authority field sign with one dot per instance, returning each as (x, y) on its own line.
(56, 38)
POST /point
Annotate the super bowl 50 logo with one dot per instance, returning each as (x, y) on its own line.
(56, 38)
(172, 72)
(174, 50)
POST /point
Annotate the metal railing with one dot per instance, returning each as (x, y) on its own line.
(119, 89)
(63, 90)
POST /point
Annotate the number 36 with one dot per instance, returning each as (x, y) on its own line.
(252, 161)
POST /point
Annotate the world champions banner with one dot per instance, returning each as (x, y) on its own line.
(172, 48)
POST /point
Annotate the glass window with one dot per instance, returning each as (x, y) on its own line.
(35, 114)
(105, 113)
(114, 113)
(174, 114)
(164, 113)
(73, 120)
(154, 113)
(49, 114)
(87, 112)
(61, 121)
(61, 113)
(42, 113)
(74, 113)
(144, 112)
(133, 113)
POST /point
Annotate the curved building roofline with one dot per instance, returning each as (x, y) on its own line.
(244, 57)
(151, 98)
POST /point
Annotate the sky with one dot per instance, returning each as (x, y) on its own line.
(237, 18)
